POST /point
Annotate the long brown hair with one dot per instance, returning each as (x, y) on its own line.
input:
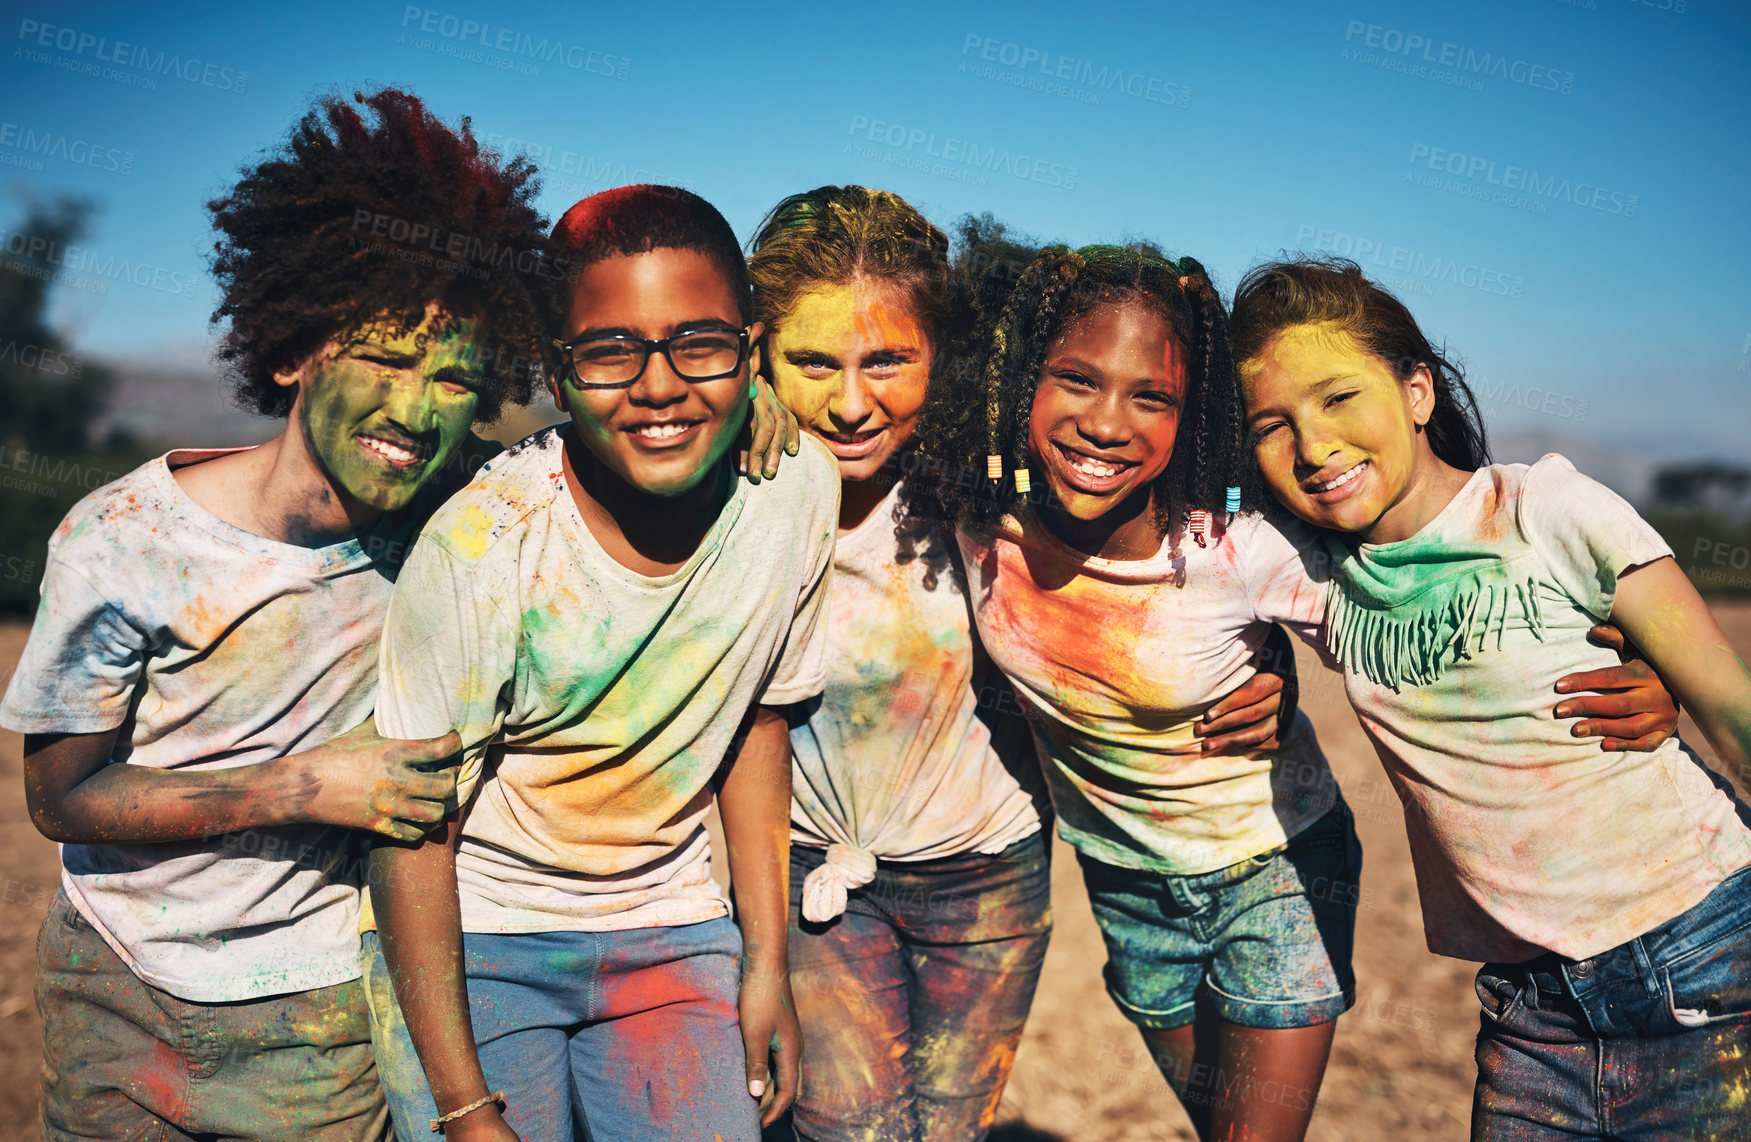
(1334, 294)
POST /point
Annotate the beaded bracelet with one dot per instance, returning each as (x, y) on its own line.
(497, 1096)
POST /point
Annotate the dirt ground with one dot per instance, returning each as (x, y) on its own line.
(1401, 1068)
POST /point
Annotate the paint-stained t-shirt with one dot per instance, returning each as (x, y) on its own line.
(1526, 839)
(596, 704)
(1120, 658)
(209, 647)
(916, 749)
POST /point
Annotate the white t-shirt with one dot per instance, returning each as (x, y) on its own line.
(898, 757)
(1525, 838)
(1119, 658)
(210, 648)
(596, 704)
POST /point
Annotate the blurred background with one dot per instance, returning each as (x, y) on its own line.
(1557, 189)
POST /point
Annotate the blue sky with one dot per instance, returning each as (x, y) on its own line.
(1559, 190)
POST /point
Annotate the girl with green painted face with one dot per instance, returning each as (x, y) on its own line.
(920, 893)
(1607, 890)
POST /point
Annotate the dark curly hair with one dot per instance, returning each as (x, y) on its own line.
(983, 411)
(1336, 294)
(348, 223)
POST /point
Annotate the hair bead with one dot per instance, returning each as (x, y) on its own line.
(1023, 481)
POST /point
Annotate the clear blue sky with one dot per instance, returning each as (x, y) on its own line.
(1608, 292)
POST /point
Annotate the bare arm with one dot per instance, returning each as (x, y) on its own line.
(1658, 608)
(358, 780)
(755, 805)
(419, 919)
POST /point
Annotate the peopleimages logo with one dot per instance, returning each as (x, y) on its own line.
(83, 260)
(1423, 56)
(1404, 268)
(1064, 76)
(134, 57)
(1522, 180)
(458, 36)
(50, 144)
(962, 159)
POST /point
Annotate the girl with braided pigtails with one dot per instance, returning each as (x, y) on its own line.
(1120, 576)
(920, 891)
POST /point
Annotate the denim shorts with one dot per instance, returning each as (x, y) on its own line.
(1265, 942)
(1651, 1039)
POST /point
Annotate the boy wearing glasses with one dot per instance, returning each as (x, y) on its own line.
(610, 620)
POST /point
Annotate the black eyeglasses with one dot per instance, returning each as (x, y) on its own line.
(616, 362)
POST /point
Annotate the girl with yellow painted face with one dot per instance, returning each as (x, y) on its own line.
(1605, 890)
(920, 889)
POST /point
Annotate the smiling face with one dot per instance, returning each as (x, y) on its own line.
(1335, 432)
(662, 435)
(1107, 408)
(382, 409)
(853, 363)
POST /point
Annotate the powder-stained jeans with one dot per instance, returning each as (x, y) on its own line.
(628, 1036)
(913, 1001)
(1650, 1040)
(126, 1062)
(1266, 942)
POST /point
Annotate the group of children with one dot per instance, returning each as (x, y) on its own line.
(418, 753)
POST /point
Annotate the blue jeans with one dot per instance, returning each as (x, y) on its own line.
(913, 1001)
(1650, 1040)
(1265, 942)
(601, 1035)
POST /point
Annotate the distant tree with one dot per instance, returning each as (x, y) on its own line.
(51, 397)
(1705, 486)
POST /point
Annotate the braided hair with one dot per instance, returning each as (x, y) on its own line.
(983, 411)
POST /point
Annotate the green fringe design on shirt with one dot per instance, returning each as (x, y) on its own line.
(1414, 641)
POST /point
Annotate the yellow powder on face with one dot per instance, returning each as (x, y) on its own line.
(840, 327)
